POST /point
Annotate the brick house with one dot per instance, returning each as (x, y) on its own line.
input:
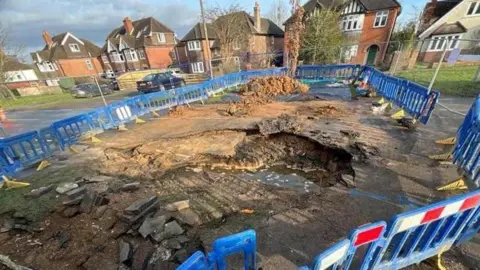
(140, 44)
(264, 37)
(66, 55)
(455, 21)
(367, 26)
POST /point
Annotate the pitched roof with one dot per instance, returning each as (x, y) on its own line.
(442, 7)
(145, 25)
(197, 32)
(450, 28)
(369, 5)
(267, 27)
(11, 64)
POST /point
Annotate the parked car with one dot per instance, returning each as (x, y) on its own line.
(158, 82)
(89, 90)
(109, 74)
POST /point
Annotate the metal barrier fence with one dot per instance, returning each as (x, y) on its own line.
(407, 239)
(415, 99)
(466, 154)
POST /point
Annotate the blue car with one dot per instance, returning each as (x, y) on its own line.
(158, 82)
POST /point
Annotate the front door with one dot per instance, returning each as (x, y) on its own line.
(372, 55)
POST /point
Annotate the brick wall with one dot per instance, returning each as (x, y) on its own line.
(159, 57)
(78, 67)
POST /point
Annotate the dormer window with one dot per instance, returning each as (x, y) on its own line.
(74, 47)
(161, 37)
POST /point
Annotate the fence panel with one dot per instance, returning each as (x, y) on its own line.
(162, 100)
(50, 140)
(122, 112)
(21, 151)
(69, 130)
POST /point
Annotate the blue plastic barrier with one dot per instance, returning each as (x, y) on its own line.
(122, 112)
(69, 130)
(21, 151)
(161, 100)
(328, 72)
(408, 239)
(466, 154)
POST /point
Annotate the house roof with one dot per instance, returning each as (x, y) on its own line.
(442, 7)
(11, 64)
(57, 51)
(450, 28)
(369, 5)
(197, 32)
(146, 25)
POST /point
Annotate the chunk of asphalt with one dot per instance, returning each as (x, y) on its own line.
(140, 205)
(152, 224)
(130, 186)
(35, 193)
(125, 251)
(188, 216)
(133, 218)
(172, 243)
(74, 193)
(88, 201)
(75, 201)
(170, 230)
(66, 187)
(70, 211)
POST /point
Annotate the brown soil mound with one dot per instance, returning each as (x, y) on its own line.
(260, 91)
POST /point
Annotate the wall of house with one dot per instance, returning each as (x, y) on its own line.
(375, 35)
(21, 75)
(159, 57)
(83, 53)
(169, 38)
(78, 67)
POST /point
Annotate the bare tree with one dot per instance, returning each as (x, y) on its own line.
(8, 53)
(231, 29)
(278, 12)
(294, 32)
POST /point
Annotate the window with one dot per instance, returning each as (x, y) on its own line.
(74, 47)
(474, 9)
(130, 55)
(350, 52)
(89, 64)
(194, 45)
(116, 57)
(105, 58)
(50, 66)
(438, 43)
(141, 54)
(236, 60)
(351, 22)
(197, 67)
(381, 18)
(19, 77)
(161, 37)
(272, 40)
(236, 44)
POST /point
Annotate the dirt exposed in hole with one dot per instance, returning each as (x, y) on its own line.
(327, 111)
(177, 111)
(260, 91)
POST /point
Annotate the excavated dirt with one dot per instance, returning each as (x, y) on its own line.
(260, 91)
(177, 111)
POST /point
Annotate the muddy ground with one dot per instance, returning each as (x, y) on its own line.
(310, 171)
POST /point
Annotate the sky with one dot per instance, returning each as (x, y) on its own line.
(94, 19)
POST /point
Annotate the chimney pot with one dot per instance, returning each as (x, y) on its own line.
(127, 23)
(47, 38)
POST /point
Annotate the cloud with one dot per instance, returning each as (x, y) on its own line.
(89, 19)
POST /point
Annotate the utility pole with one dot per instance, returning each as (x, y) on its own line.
(209, 60)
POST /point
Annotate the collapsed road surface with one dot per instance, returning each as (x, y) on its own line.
(302, 174)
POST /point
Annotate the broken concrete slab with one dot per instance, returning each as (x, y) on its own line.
(66, 187)
(100, 188)
(98, 179)
(130, 186)
(88, 201)
(177, 206)
(140, 205)
(143, 253)
(100, 211)
(35, 193)
(101, 200)
(161, 254)
(182, 239)
(74, 193)
(172, 243)
(152, 224)
(8, 224)
(125, 251)
(188, 216)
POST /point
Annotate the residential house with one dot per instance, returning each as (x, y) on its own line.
(67, 55)
(367, 26)
(449, 25)
(140, 44)
(19, 75)
(263, 37)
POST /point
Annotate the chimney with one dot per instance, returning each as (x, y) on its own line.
(127, 23)
(256, 14)
(48, 39)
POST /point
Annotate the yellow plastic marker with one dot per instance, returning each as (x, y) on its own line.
(73, 150)
(9, 184)
(441, 157)
(96, 140)
(458, 184)
(399, 115)
(381, 101)
(43, 165)
(139, 121)
(122, 128)
(447, 141)
(155, 114)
